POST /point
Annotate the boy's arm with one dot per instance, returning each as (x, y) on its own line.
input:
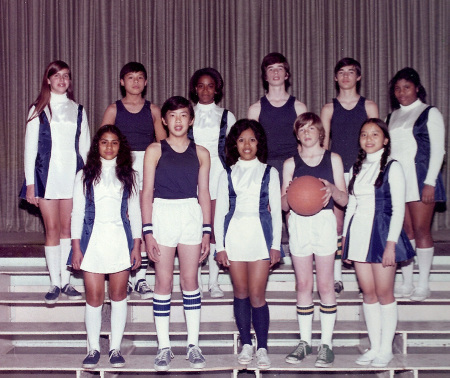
(371, 109)
(109, 118)
(152, 155)
(160, 132)
(254, 111)
(299, 107)
(204, 199)
(288, 173)
(325, 116)
(339, 193)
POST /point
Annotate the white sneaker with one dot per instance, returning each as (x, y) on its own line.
(420, 294)
(366, 358)
(262, 360)
(246, 354)
(215, 291)
(403, 291)
(382, 360)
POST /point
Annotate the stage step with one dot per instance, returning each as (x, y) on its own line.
(35, 363)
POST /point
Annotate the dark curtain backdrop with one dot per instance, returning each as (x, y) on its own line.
(173, 38)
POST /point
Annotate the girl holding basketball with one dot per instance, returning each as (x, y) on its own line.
(314, 237)
(248, 235)
(374, 239)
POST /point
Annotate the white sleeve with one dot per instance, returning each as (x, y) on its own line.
(79, 203)
(398, 195)
(31, 147)
(231, 120)
(351, 207)
(222, 208)
(275, 208)
(436, 131)
(134, 212)
(85, 137)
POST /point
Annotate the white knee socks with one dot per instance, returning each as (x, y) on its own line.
(424, 259)
(161, 314)
(407, 269)
(93, 321)
(305, 316)
(213, 266)
(65, 251)
(118, 321)
(327, 321)
(388, 327)
(192, 303)
(53, 259)
(372, 316)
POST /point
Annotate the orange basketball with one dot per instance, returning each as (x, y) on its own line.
(304, 195)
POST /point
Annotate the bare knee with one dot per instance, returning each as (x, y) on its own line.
(95, 298)
(163, 285)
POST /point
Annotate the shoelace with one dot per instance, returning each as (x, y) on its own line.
(53, 290)
(322, 355)
(115, 353)
(91, 353)
(164, 354)
(196, 353)
(143, 285)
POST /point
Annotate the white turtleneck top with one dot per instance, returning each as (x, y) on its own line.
(245, 238)
(107, 251)
(404, 146)
(63, 162)
(361, 205)
(206, 131)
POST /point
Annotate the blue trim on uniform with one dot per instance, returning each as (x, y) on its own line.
(44, 152)
(380, 227)
(222, 136)
(264, 213)
(89, 219)
(422, 158)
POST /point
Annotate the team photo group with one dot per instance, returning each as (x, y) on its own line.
(189, 180)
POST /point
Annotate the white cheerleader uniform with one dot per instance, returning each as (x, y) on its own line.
(108, 249)
(245, 239)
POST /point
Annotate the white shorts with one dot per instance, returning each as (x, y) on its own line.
(315, 234)
(177, 221)
(138, 165)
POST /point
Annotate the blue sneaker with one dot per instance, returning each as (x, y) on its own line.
(115, 358)
(71, 292)
(52, 296)
(162, 359)
(91, 359)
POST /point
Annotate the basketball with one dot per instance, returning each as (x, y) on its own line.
(304, 195)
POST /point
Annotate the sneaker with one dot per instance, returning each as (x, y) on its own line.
(246, 354)
(115, 358)
(382, 360)
(143, 289)
(129, 289)
(162, 359)
(215, 291)
(91, 359)
(403, 291)
(366, 358)
(338, 287)
(195, 357)
(71, 292)
(53, 295)
(325, 357)
(420, 294)
(302, 350)
(262, 360)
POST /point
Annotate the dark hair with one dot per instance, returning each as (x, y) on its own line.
(132, 67)
(362, 155)
(43, 98)
(274, 58)
(232, 154)
(124, 170)
(344, 62)
(175, 103)
(411, 75)
(213, 74)
(309, 117)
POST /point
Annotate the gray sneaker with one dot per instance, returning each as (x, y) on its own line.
(162, 359)
(52, 296)
(195, 357)
(325, 357)
(302, 350)
(143, 289)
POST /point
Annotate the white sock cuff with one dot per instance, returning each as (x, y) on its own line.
(413, 243)
(425, 250)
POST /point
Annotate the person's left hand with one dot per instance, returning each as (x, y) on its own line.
(275, 257)
(428, 194)
(389, 255)
(205, 247)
